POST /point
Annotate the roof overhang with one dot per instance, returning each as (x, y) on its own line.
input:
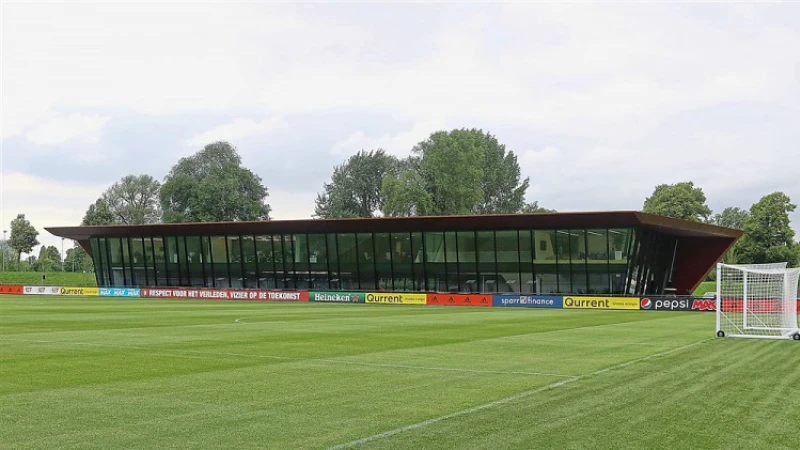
(667, 225)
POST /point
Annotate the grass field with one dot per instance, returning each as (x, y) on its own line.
(113, 373)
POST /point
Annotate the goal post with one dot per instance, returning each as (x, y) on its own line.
(757, 301)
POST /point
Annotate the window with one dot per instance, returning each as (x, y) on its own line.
(334, 278)
(265, 262)
(619, 244)
(219, 261)
(289, 279)
(507, 260)
(195, 258)
(149, 261)
(301, 261)
(402, 268)
(597, 261)
(545, 269)
(249, 261)
(162, 277)
(173, 262)
(366, 261)
(435, 261)
(418, 261)
(235, 262)
(487, 262)
(318, 261)
(577, 251)
(467, 262)
(451, 261)
(136, 257)
(348, 261)
(526, 279)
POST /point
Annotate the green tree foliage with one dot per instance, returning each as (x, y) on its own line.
(98, 214)
(503, 192)
(49, 260)
(134, 200)
(212, 186)
(77, 260)
(23, 236)
(405, 193)
(681, 200)
(731, 217)
(449, 164)
(534, 208)
(464, 171)
(355, 187)
(768, 236)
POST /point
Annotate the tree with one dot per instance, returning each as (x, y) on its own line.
(405, 195)
(503, 193)
(134, 200)
(449, 166)
(534, 208)
(77, 260)
(98, 214)
(680, 200)
(731, 217)
(355, 187)
(212, 186)
(464, 171)
(23, 236)
(768, 236)
(48, 261)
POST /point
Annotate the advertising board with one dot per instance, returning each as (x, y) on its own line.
(41, 290)
(224, 294)
(120, 292)
(396, 298)
(704, 304)
(580, 302)
(666, 303)
(460, 299)
(89, 291)
(528, 301)
(11, 289)
(336, 297)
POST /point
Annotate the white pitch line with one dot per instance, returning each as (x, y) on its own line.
(290, 358)
(505, 400)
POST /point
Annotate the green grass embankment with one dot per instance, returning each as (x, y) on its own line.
(705, 286)
(52, 278)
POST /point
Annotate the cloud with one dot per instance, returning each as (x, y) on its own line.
(398, 144)
(601, 102)
(45, 202)
(84, 128)
(238, 130)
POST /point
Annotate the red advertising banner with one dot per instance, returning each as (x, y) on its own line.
(11, 289)
(460, 299)
(225, 294)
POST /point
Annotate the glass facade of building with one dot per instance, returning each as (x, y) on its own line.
(536, 261)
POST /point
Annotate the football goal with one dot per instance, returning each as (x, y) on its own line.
(757, 301)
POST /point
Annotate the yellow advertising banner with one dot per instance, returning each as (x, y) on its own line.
(601, 302)
(401, 299)
(92, 291)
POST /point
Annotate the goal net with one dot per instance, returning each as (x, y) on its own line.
(757, 301)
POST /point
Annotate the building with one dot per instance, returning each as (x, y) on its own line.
(620, 253)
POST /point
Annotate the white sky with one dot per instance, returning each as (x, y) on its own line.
(600, 102)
